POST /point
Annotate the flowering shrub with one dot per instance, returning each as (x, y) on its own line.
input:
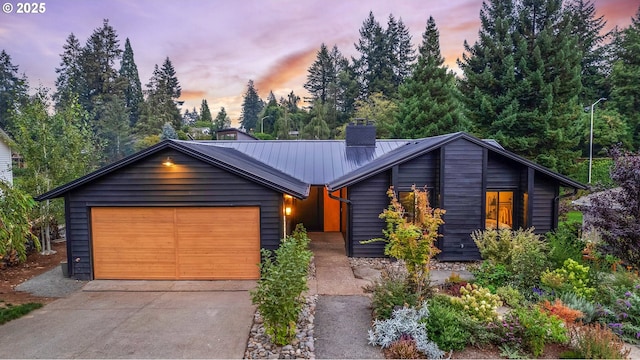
(557, 308)
(510, 296)
(403, 348)
(478, 302)
(539, 329)
(405, 322)
(622, 313)
(508, 331)
(571, 277)
(596, 341)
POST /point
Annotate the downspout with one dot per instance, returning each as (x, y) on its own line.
(556, 205)
(349, 217)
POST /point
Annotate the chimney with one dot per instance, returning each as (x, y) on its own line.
(361, 132)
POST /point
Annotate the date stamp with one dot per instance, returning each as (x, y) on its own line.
(24, 8)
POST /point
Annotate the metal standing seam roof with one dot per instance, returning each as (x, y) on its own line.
(315, 162)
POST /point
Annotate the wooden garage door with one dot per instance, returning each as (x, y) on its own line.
(176, 243)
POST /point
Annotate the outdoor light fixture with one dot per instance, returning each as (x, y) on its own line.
(168, 161)
(287, 211)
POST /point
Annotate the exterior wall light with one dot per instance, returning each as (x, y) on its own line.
(168, 161)
(287, 211)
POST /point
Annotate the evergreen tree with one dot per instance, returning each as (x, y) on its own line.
(160, 105)
(374, 66)
(429, 104)
(222, 120)
(133, 88)
(112, 127)
(321, 75)
(401, 50)
(522, 80)
(205, 113)
(13, 90)
(70, 82)
(168, 132)
(625, 77)
(251, 107)
(587, 28)
(270, 114)
(97, 61)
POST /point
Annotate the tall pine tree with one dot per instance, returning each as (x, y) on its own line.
(205, 112)
(133, 88)
(374, 66)
(222, 120)
(625, 77)
(70, 83)
(251, 107)
(13, 90)
(429, 100)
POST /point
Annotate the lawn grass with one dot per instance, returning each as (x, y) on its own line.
(574, 216)
(11, 312)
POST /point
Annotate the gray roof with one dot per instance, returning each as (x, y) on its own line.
(315, 162)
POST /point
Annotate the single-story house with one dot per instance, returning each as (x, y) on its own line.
(6, 172)
(233, 134)
(203, 209)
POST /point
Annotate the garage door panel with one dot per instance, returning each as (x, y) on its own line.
(176, 243)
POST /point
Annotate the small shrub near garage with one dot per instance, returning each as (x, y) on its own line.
(392, 290)
(283, 279)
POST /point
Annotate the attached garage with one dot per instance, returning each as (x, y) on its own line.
(180, 243)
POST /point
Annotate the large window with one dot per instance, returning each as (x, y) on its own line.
(499, 210)
(408, 202)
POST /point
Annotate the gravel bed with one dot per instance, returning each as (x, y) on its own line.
(387, 263)
(301, 347)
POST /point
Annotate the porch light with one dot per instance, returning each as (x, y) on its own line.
(168, 161)
(287, 211)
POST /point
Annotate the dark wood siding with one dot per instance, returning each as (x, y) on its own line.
(147, 183)
(462, 194)
(420, 171)
(502, 173)
(368, 200)
(545, 191)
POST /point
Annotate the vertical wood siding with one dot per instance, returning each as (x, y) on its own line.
(545, 191)
(368, 200)
(462, 195)
(420, 171)
(147, 183)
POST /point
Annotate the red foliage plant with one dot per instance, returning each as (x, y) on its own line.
(563, 312)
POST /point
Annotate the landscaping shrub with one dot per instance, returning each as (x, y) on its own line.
(446, 325)
(15, 231)
(405, 322)
(510, 296)
(565, 243)
(539, 329)
(390, 291)
(621, 310)
(522, 253)
(563, 312)
(403, 348)
(491, 276)
(588, 309)
(478, 302)
(412, 241)
(282, 282)
(508, 331)
(571, 277)
(596, 341)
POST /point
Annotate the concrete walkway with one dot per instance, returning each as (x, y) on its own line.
(343, 316)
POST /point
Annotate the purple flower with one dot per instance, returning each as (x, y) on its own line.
(637, 287)
(615, 325)
(627, 294)
(638, 335)
(623, 316)
(627, 303)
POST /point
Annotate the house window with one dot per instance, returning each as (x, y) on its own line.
(408, 202)
(499, 210)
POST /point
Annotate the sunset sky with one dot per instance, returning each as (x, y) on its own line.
(217, 46)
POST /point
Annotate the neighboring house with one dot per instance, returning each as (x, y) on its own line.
(203, 210)
(233, 134)
(6, 173)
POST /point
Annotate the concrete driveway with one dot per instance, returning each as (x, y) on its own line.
(115, 324)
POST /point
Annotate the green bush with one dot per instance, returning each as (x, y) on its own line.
(571, 277)
(540, 329)
(510, 296)
(529, 261)
(282, 282)
(600, 172)
(446, 325)
(478, 302)
(491, 276)
(390, 291)
(11, 312)
(565, 243)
